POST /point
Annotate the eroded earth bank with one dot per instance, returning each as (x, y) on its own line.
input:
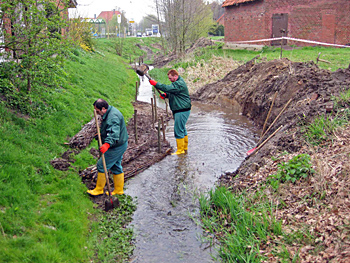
(303, 92)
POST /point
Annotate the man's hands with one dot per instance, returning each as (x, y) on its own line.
(163, 96)
(153, 82)
(104, 147)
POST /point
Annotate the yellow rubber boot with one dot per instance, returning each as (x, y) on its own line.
(100, 184)
(180, 146)
(186, 143)
(118, 180)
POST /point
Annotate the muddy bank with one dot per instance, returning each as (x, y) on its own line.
(138, 156)
(254, 84)
(316, 207)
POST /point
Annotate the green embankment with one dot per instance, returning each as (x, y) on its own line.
(45, 214)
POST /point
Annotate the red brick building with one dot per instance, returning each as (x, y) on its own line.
(317, 20)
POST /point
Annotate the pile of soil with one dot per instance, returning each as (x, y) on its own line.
(138, 156)
(253, 86)
(319, 205)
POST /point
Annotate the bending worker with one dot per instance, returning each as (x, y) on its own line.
(180, 105)
(114, 138)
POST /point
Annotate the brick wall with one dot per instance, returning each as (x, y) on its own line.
(316, 20)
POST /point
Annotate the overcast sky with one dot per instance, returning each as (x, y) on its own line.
(134, 9)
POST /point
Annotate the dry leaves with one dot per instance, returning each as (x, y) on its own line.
(318, 206)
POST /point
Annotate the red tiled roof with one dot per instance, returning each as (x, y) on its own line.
(220, 19)
(235, 2)
(107, 15)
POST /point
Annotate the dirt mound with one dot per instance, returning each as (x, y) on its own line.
(253, 86)
(318, 205)
(138, 156)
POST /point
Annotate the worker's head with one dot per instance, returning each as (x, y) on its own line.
(173, 75)
(101, 106)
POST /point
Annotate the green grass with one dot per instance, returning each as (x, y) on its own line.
(240, 224)
(321, 129)
(129, 47)
(339, 57)
(45, 214)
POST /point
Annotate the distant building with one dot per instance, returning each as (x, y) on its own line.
(317, 20)
(7, 25)
(108, 15)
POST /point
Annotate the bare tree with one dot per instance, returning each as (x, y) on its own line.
(184, 21)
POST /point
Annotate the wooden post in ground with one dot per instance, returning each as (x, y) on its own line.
(137, 90)
(159, 143)
(155, 107)
(166, 107)
(152, 112)
(163, 128)
(135, 126)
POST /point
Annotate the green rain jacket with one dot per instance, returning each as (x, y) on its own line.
(113, 128)
(177, 92)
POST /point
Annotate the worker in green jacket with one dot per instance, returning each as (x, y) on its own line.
(114, 138)
(180, 105)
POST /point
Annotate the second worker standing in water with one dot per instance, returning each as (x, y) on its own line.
(180, 105)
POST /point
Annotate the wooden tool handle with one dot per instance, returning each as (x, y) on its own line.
(102, 156)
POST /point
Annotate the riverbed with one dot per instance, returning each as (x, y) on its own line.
(166, 220)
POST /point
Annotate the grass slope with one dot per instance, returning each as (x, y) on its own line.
(45, 214)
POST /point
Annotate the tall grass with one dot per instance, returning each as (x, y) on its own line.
(240, 225)
(45, 214)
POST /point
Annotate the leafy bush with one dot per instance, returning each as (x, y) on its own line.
(296, 168)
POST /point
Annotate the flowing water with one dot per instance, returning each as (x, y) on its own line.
(166, 193)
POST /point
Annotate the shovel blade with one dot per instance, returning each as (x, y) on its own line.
(111, 203)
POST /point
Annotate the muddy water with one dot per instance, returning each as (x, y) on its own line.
(167, 208)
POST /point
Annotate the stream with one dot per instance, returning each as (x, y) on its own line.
(165, 221)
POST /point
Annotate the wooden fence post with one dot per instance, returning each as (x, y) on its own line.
(135, 126)
(155, 107)
(166, 107)
(152, 112)
(163, 128)
(137, 90)
(159, 143)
